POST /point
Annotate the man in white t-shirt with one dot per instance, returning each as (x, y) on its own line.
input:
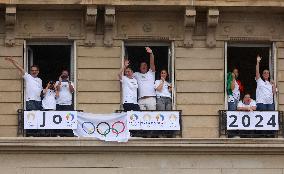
(33, 85)
(129, 88)
(146, 81)
(64, 90)
(247, 104)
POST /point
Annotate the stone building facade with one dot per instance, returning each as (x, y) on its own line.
(97, 33)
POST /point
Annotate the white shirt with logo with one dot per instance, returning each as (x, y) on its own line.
(165, 90)
(49, 100)
(145, 83)
(129, 90)
(251, 104)
(235, 93)
(33, 87)
(65, 96)
(264, 93)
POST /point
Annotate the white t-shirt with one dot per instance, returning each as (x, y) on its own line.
(145, 83)
(129, 90)
(65, 96)
(165, 90)
(49, 100)
(235, 93)
(33, 87)
(264, 93)
(251, 104)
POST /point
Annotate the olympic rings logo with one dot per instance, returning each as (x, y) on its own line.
(104, 128)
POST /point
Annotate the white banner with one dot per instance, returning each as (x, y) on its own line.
(265, 120)
(108, 127)
(158, 120)
(50, 119)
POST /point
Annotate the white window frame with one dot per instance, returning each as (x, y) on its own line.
(272, 63)
(73, 63)
(171, 56)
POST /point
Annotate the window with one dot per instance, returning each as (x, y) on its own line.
(243, 57)
(52, 58)
(164, 58)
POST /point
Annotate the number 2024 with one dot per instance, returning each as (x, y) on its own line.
(246, 121)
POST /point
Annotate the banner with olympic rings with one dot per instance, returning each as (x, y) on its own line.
(107, 127)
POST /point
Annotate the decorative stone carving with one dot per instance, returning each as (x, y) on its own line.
(109, 25)
(10, 22)
(212, 22)
(189, 24)
(90, 24)
(147, 27)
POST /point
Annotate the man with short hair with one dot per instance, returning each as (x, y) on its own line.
(33, 85)
(64, 91)
(146, 81)
(33, 90)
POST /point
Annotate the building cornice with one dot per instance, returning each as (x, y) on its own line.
(141, 145)
(213, 3)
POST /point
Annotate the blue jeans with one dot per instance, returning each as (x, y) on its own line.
(33, 105)
(232, 106)
(264, 107)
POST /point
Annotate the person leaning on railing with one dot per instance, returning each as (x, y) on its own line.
(265, 89)
(163, 92)
(247, 104)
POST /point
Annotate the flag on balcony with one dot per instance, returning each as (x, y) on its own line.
(111, 127)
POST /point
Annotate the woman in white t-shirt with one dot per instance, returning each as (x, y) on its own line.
(265, 89)
(247, 104)
(49, 97)
(163, 92)
(129, 88)
(234, 89)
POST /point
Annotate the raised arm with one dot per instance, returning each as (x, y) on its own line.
(122, 69)
(233, 81)
(152, 59)
(16, 64)
(257, 74)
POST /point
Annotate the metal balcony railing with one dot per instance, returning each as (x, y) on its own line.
(157, 133)
(223, 132)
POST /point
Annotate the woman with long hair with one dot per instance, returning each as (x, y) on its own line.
(234, 89)
(265, 89)
(163, 92)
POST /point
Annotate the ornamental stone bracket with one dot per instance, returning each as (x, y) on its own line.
(212, 22)
(109, 25)
(90, 24)
(189, 24)
(10, 23)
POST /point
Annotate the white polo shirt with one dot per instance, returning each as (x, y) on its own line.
(129, 90)
(165, 90)
(49, 100)
(145, 83)
(264, 93)
(251, 104)
(235, 93)
(65, 96)
(33, 87)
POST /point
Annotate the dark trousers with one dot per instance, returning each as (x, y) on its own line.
(131, 107)
(63, 132)
(33, 105)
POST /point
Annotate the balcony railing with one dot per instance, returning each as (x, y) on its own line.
(69, 133)
(223, 132)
